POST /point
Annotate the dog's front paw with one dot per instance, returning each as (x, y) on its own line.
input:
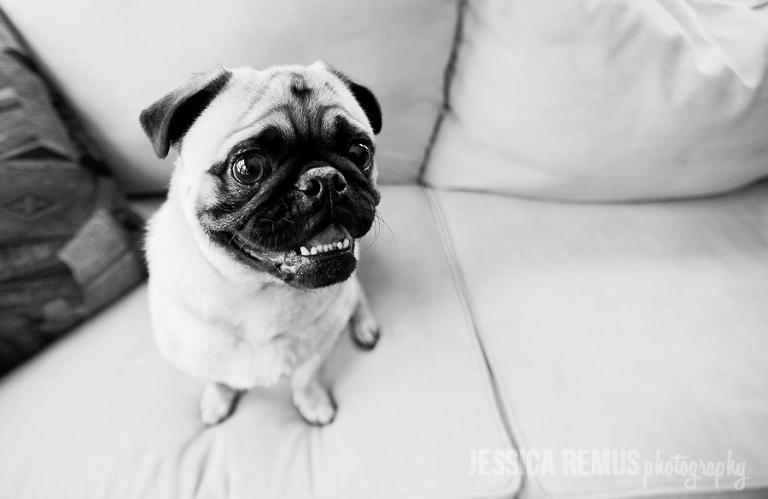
(365, 330)
(217, 403)
(316, 405)
(366, 337)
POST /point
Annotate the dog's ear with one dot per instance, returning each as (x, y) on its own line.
(166, 121)
(364, 97)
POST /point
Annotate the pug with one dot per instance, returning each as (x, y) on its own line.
(252, 257)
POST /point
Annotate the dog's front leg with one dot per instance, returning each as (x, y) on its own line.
(314, 402)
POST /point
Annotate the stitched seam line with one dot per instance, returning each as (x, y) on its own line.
(468, 309)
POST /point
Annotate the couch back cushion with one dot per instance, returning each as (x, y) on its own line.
(112, 59)
(606, 100)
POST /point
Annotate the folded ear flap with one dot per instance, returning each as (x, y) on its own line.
(364, 97)
(166, 121)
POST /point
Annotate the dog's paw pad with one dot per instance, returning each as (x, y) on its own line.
(215, 408)
(318, 411)
(366, 336)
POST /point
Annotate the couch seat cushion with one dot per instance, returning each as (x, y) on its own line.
(634, 327)
(102, 415)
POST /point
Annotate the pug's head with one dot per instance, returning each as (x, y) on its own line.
(276, 167)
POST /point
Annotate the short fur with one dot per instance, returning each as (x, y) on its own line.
(233, 300)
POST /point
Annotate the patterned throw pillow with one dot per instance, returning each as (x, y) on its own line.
(68, 243)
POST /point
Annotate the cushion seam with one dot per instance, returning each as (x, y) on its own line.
(468, 310)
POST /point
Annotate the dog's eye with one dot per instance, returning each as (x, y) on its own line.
(250, 169)
(359, 154)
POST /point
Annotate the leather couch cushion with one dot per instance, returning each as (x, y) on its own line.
(624, 327)
(606, 100)
(113, 59)
(102, 415)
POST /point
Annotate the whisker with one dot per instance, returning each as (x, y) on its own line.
(380, 220)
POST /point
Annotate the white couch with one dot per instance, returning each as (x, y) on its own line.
(572, 262)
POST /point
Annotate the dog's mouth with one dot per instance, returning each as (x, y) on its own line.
(332, 241)
(324, 259)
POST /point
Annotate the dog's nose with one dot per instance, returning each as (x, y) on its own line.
(322, 181)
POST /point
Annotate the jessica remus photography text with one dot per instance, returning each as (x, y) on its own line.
(692, 471)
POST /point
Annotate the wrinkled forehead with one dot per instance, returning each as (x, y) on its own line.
(303, 101)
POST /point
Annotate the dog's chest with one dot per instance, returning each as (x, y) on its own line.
(288, 312)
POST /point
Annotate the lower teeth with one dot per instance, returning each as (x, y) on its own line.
(326, 248)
